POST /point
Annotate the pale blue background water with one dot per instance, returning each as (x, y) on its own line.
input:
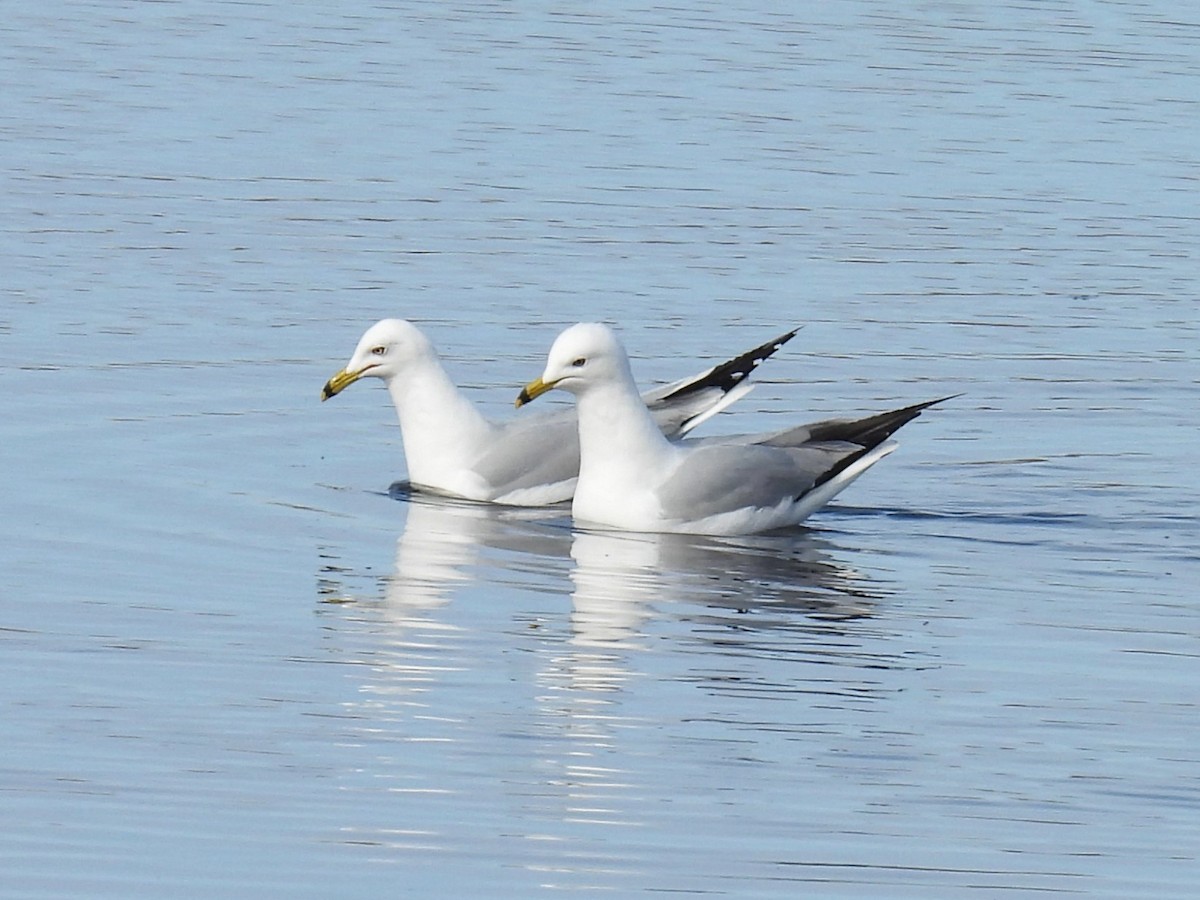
(234, 665)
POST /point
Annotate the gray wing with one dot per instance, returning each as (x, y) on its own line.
(533, 451)
(757, 471)
(719, 478)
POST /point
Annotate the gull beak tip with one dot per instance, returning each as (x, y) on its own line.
(533, 389)
(339, 383)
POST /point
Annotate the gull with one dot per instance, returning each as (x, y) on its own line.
(633, 479)
(452, 449)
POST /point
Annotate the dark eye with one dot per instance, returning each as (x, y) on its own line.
(578, 363)
(378, 351)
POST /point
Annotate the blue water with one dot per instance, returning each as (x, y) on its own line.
(237, 664)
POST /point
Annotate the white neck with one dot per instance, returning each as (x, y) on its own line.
(623, 455)
(442, 430)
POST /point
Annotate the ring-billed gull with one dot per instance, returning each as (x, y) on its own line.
(631, 478)
(529, 461)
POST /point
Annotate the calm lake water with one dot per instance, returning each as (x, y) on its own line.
(235, 663)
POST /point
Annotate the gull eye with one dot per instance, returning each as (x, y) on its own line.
(378, 351)
(578, 363)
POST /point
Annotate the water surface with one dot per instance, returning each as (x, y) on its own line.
(236, 663)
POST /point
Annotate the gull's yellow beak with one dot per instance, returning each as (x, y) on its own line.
(533, 390)
(340, 382)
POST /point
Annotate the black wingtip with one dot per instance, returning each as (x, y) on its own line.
(869, 432)
(729, 375)
(917, 408)
(872, 431)
(943, 399)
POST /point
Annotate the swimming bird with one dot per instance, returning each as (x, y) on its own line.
(632, 478)
(452, 449)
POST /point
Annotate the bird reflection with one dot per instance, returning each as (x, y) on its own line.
(626, 587)
(639, 607)
(620, 581)
(725, 587)
(619, 577)
(444, 541)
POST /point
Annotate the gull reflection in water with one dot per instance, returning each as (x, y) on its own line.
(448, 545)
(404, 630)
(442, 548)
(621, 581)
(641, 607)
(724, 587)
(621, 578)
